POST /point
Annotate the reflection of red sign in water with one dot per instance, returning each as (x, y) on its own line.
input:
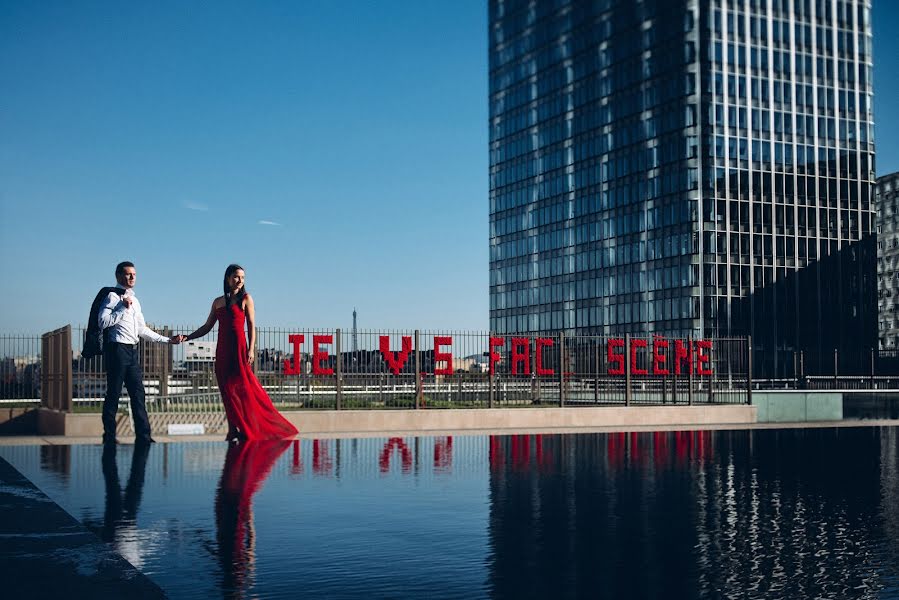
(322, 464)
(660, 357)
(387, 452)
(443, 454)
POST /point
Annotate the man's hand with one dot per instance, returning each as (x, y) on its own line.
(126, 300)
(177, 339)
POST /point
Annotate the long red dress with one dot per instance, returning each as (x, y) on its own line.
(247, 406)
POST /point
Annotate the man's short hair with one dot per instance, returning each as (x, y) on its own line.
(120, 268)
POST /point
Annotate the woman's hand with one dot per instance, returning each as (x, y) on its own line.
(251, 356)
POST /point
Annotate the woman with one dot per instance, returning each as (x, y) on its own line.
(250, 412)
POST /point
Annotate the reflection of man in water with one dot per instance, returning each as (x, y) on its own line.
(246, 466)
(122, 507)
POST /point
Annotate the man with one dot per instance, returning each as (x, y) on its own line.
(122, 323)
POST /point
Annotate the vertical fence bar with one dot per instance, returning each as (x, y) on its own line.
(338, 367)
(627, 369)
(749, 370)
(802, 368)
(664, 389)
(596, 375)
(836, 364)
(418, 382)
(872, 368)
(690, 371)
(491, 377)
(165, 367)
(561, 368)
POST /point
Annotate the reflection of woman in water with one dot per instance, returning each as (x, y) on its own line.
(246, 467)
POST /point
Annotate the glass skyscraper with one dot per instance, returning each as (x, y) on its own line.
(886, 197)
(684, 167)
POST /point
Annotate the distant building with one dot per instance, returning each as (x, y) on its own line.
(685, 168)
(886, 197)
(199, 355)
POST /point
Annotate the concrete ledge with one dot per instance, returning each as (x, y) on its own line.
(798, 406)
(517, 418)
(51, 423)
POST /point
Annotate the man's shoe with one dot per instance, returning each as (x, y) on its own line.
(144, 440)
(109, 441)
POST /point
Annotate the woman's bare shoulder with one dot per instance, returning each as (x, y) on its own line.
(218, 302)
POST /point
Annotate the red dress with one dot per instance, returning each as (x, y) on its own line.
(247, 406)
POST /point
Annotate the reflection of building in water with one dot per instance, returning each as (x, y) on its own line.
(57, 459)
(889, 481)
(582, 515)
(688, 514)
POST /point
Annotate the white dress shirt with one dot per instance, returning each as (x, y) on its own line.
(126, 323)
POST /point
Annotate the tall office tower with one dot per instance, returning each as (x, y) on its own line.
(886, 198)
(684, 167)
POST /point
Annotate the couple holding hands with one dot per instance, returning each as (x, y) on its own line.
(249, 411)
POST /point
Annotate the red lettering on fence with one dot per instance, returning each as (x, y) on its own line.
(395, 360)
(519, 357)
(682, 354)
(660, 357)
(319, 355)
(688, 357)
(634, 345)
(538, 349)
(614, 357)
(495, 342)
(702, 358)
(439, 356)
(293, 367)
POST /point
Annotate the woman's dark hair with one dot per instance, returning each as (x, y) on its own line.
(243, 291)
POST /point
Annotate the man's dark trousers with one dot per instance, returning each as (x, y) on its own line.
(123, 366)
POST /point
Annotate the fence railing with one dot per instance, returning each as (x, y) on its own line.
(338, 369)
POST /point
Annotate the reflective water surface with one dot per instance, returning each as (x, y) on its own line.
(758, 514)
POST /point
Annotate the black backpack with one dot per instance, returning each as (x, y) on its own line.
(93, 335)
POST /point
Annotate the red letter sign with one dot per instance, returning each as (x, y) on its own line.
(294, 368)
(395, 360)
(495, 342)
(682, 354)
(660, 356)
(319, 355)
(439, 356)
(613, 358)
(521, 357)
(539, 343)
(634, 345)
(702, 359)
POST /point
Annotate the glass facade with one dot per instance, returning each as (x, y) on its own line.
(887, 200)
(684, 167)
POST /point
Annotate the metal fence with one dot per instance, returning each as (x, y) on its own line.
(337, 369)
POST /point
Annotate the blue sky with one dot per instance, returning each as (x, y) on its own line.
(337, 150)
